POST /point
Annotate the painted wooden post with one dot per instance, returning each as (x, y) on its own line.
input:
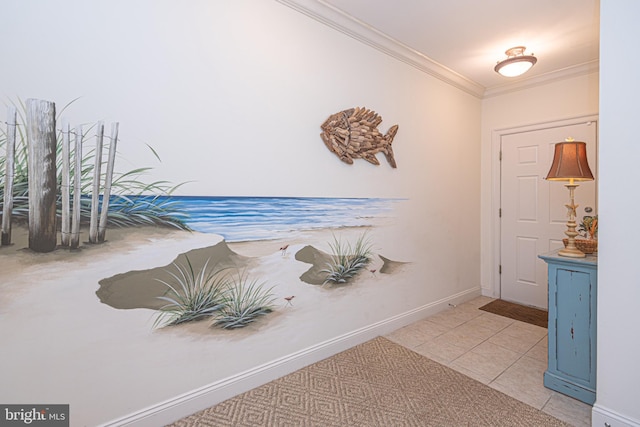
(95, 196)
(64, 186)
(7, 206)
(102, 228)
(77, 191)
(41, 148)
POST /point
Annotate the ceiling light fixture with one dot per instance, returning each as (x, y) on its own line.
(517, 62)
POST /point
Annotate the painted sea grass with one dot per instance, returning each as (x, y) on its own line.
(232, 301)
(246, 301)
(124, 209)
(192, 295)
(347, 261)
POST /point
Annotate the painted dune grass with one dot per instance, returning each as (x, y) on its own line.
(198, 293)
(123, 210)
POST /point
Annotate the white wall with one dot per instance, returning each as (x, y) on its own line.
(232, 94)
(556, 101)
(618, 376)
(248, 83)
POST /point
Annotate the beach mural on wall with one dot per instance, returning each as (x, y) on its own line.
(214, 283)
(226, 104)
(216, 277)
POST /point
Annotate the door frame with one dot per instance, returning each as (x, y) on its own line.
(496, 181)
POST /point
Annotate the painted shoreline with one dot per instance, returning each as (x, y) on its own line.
(116, 346)
(145, 288)
(141, 287)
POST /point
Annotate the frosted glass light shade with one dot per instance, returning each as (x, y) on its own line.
(516, 64)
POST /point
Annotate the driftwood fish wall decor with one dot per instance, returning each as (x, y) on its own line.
(353, 134)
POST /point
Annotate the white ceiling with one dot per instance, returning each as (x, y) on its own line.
(470, 36)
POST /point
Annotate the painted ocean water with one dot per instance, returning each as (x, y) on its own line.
(262, 218)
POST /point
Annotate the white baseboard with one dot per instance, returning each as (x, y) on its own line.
(488, 292)
(603, 417)
(196, 400)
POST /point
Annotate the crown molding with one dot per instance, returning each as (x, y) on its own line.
(361, 31)
(543, 79)
(364, 33)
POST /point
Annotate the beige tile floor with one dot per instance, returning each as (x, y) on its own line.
(505, 354)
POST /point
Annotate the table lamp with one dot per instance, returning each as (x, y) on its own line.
(570, 164)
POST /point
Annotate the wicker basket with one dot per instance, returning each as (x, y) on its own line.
(588, 246)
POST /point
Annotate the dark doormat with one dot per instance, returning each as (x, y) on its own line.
(532, 315)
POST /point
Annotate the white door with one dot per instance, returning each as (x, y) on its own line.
(533, 212)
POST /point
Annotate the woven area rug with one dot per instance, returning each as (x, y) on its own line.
(377, 383)
(531, 315)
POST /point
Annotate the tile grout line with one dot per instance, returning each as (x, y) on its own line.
(521, 355)
(460, 314)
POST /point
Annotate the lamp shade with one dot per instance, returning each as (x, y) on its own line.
(570, 162)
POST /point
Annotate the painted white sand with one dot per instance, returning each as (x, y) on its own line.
(60, 344)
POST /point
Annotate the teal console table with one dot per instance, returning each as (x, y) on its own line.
(572, 326)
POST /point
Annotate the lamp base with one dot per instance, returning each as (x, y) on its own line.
(572, 253)
(571, 250)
